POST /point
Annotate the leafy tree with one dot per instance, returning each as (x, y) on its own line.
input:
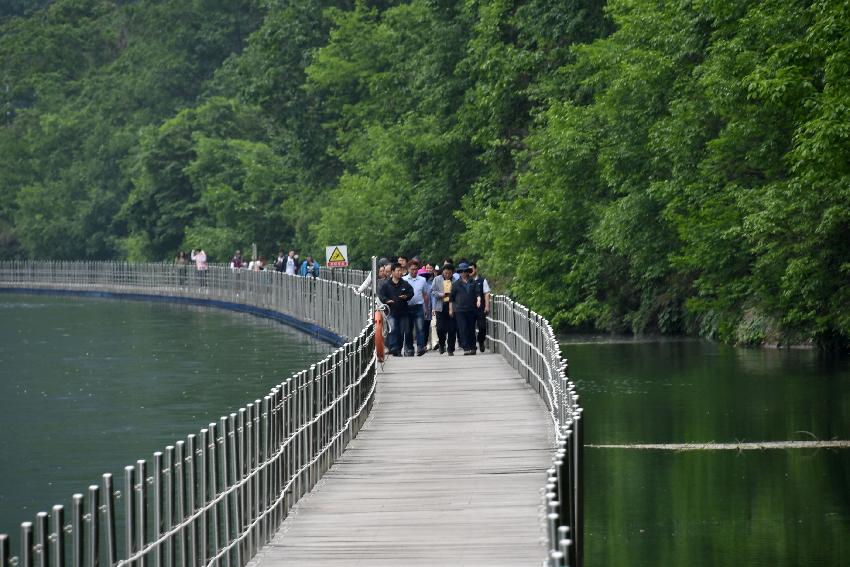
(624, 165)
(85, 77)
(390, 78)
(207, 168)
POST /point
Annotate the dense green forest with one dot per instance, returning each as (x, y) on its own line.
(630, 165)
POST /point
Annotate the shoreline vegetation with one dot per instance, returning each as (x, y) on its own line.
(567, 338)
(627, 166)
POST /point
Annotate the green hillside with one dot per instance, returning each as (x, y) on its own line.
(674, 167)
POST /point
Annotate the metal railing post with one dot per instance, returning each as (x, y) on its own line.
(57, 534)
(223, 466)
(77, 548)
(141, 507)
(93, 519)
(26, 544)
(201, 453)
(41, 549)
(4, 550)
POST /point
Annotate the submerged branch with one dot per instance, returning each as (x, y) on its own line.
(761, 445)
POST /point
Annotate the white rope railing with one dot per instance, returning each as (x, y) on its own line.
(175, 530)
(273, 451)
(214, 502)
(528, 342)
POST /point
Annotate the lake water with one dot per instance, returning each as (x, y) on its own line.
(772, 508)
(88, 386)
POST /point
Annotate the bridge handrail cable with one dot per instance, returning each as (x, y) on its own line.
(528, 342)
(272, 451)
(247, 469)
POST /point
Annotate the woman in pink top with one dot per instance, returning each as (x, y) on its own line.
(200, 259)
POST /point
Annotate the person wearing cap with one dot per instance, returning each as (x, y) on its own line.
(441, 289)
(395, 294)
(416, 307)
(463, 308)
(484, 297)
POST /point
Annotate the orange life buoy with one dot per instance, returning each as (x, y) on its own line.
(379, 336)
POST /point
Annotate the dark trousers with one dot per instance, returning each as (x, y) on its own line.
(465, 321)
(446, 330)
(481, 324)
(415, 338)
(399, 323)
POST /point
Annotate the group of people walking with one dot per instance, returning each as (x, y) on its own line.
(454, 299)
(285, 262)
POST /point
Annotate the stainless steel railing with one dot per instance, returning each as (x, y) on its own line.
(224, 520)
(324, 302)
(527, 341)
(215, 497)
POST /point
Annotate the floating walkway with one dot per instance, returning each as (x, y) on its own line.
(463, 460)
(446, 471)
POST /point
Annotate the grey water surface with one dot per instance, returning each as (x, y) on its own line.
(88, 386)
(776, 508)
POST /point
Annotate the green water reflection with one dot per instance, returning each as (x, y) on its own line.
(765, 508)
(90, 385)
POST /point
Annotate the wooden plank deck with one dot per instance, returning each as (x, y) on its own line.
(446, 472)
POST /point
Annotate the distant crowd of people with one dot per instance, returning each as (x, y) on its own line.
(453, 301)
(285, 262)
(436, 307)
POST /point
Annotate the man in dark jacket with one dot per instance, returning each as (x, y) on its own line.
(463, 307)
(395, 293)
(482, 290)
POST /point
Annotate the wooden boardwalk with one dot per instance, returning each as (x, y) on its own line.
(446, 472)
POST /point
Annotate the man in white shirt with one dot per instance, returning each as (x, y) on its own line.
(291, 263)
(416, 307)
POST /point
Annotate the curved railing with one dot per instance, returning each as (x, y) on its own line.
(216, 497)
(528, 342)
(303, 444)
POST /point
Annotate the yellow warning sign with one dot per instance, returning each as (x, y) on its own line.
(337, 256)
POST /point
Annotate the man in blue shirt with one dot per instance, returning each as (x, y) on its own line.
(416, 307)
(310, 268)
